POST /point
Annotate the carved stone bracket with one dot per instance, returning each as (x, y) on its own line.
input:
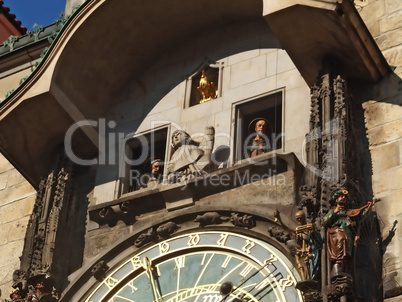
(243, 221)
(162, 231)
(99, 270)
(210, 218)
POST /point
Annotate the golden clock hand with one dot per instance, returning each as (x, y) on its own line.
(147, 265)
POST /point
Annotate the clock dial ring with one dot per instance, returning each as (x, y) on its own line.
(279, 275)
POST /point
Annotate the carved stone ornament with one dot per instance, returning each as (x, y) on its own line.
(47, 225)
(167, 229)
(342, 285)
(243, 221)
(99, 270)
(210, 218)
(312, 296)
(146, 237)
(20, 280)
(279, 234)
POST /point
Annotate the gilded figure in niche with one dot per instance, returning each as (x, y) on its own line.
(206, 89)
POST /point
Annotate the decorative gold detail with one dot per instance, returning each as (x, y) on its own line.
(207, 90)
(222, 240)
(263, 284)
(164, 247)
(194, 239)
(271, 260)
(304, 227)
(111, 282)
(136, 262)
(247, 248)
(246, 270)
(147, 264)
(284, 283)
(226, 262)
(180, 262)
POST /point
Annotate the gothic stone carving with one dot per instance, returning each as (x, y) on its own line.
(210, 218)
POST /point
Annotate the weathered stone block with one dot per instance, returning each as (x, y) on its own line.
(372, 11)
(392, 22)
(248, 71)
(393, 6)
(387, 133)
(3, 180)
(379, 113)
(374, 28)
(14, 230)
(389, 39)
(5, 164)
(387, 180)
(17, 210)
(394, 56)
(11, 252)
(17, 192)
(15, 178)
(244, 56)
(385, 156)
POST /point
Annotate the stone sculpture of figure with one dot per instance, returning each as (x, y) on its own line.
(41, 290)
(307, 251)
(189, 157)
(340, 223)
(258, 141)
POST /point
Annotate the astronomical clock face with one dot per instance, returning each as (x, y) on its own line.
(203, 267)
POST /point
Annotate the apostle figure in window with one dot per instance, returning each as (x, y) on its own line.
(156, 175)
(189, 157)
(257, 142)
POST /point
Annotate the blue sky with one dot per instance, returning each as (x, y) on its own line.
(29, 12)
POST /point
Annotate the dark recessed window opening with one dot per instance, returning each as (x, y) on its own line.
(266, 111)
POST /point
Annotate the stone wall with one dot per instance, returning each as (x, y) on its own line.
(17, 198)
(384, 21)
(384, 124)
(383, 117)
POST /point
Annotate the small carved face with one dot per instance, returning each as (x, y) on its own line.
(179, 138)
(260, 126)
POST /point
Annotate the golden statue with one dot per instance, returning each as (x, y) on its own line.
(207, 90)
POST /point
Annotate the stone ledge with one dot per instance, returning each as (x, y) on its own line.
(179, 195)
